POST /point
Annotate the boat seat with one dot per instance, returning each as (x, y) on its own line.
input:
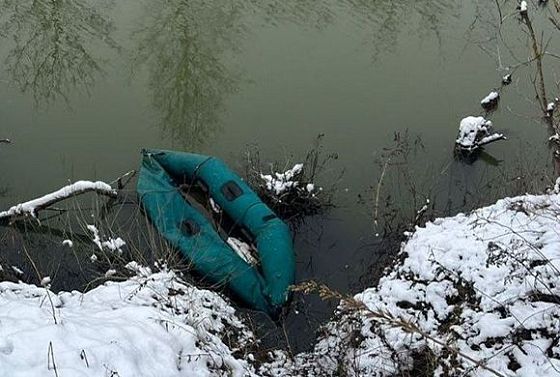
(231, 190)
(267, 218)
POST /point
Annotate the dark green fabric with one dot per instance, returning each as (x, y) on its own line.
(210, 255)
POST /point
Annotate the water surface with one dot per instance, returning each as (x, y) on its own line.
(84, 85)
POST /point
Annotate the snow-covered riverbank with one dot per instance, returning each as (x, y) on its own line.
(474, 294)
(150, 325)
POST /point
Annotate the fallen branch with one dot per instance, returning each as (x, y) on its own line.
(32, 207)
(491, 139)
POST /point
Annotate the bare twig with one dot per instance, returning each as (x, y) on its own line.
(378, 191)
(124, 179)
(83, 356)
(40, 277)
(499, 11)
(51, 364)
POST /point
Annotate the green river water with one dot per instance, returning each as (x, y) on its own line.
(84, 85)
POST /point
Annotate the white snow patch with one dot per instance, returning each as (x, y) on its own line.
(17, 270)
(550, 108)
(215, 207)
(146, 326)
(96, 239)
(490, 99)
(68, 243)
(279, 183)
(111, 272)
(138, 268)
(422, 210)
(114, 245)
(45, 281)
(523, 7)
(242, 249)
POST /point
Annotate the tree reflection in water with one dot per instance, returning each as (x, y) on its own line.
(184, 44)
(56, 45)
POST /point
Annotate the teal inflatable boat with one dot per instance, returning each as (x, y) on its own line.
(264, 287)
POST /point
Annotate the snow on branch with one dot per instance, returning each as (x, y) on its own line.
(523, 8)
(281, 182)
(490, 101)
(32, 207)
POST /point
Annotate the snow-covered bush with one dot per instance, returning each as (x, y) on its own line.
(291, 193)
(292, 190)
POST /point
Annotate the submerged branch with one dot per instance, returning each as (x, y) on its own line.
(377, 192)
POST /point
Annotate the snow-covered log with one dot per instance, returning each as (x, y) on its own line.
(474, 132)
(32, 207)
